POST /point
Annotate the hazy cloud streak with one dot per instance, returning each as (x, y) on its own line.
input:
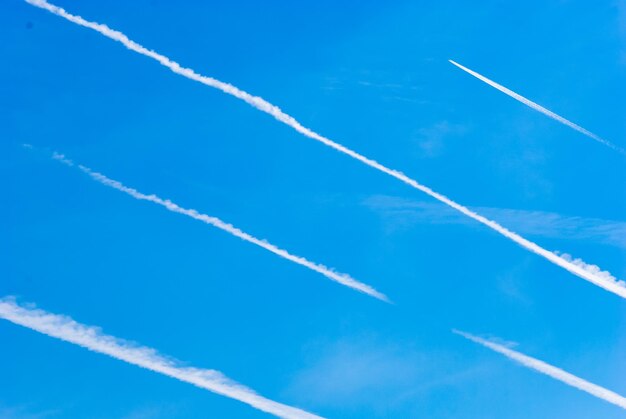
(539, 108)
(400, 213)
(273, 110)
(550, 370)
(64, 328)
(342, 278)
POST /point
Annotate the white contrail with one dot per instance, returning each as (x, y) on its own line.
(263, 105)
(539, 108)
(64, 328)
(343, 279)
(550, 370)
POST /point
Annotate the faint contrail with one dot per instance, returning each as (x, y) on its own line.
(64, 328)
(550, 370)
(539, 108)
(261, 104)
(343, 279)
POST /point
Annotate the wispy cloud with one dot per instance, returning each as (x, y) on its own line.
(263, 105)
(594, 269)
(539, 108)
(64, 328)
(431, 139)
(361, 374)
(536, 222)
(341, 278)
(549, 370)
(151, 412)
(348, 373)
(621, 27)
(26, 412)
(403, 213)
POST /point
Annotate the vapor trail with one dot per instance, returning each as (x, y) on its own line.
(64, 328)
(616, 287)
(550, 370)
(343, 279)
(539, 108)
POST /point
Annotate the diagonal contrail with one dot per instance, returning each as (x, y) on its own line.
(66, 329)
(550, 370)
(616, 287)
(342, 278)
(539, 108)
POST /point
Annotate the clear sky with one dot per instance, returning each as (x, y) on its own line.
(374, 76)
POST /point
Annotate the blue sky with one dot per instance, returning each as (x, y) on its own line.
(375, 78)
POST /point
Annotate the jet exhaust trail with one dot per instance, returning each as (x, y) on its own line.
(550, 370)
(91, 338)
(539, 108)
(342, 278)
(261, 104)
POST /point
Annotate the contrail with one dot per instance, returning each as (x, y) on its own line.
(550, 370)
(539, 108)
(343, 279)
(261, 104)
(92, 338)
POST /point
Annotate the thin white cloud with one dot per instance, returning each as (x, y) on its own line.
(355, 373)
(398, 212)
(594, 269)
(341, 278)
(539, 108)
(263, 105)
(26, 411)
(550, 370)
(364, 373)
(64, 328)
(546, 224)
(431, 139)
